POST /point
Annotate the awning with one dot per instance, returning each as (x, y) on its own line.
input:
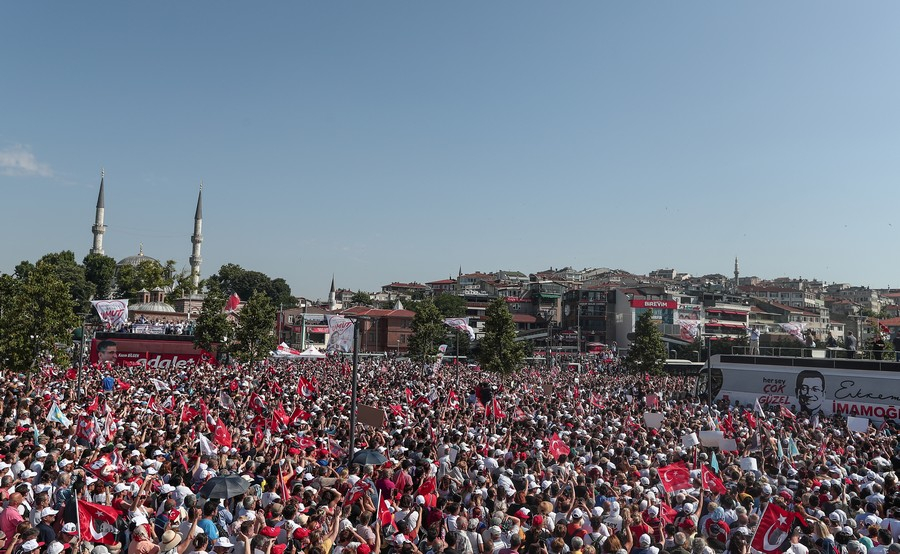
(319, 330)
(729, 325)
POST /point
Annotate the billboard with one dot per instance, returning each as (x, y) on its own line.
(808, 387)
(168, 353)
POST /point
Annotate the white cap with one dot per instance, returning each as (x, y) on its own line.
(577, 513)
(166, 489)
(69, 528)
(48, 512)
(223, 542)
(120, 487)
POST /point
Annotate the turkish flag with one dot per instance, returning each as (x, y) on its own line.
(787, 413)
(495, 410)
(356, 492)
(385, 515)
(558, 447)
(94, 405)
(409, 396)
(596, 400)
(428, 486)
(305, 442)
(711, 481)
(305, 388)
(751, 420)
(257, 404)
(453, 400)
(233, 302)
(98, 522)
(520, 415)
(774, 528)
(221, 436)
(71, 374)
(667, 513)
(188, 414)
(299, 413)
(675, 477)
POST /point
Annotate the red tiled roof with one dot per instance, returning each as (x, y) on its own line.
(374, 312)
(523, 318)
(442, 282)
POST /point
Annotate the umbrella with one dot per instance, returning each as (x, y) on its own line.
(224, 487)
(368, 457)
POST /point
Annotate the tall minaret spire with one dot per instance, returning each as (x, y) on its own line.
(196, 240)
(99, 228)
(737, 273)
(332, 296)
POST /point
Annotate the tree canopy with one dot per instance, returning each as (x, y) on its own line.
(428, 331)
(36, 315)
(233, 278)
(497, 349)
(647, 352)
(450, 305)
(213, 326)
(100, 271)
(255, 330)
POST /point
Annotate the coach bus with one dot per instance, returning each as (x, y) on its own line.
(859, 388)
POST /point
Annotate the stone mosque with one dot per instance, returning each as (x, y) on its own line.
(152, 304)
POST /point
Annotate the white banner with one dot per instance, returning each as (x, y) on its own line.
(460, 324)
(112, 312)
(340, 334)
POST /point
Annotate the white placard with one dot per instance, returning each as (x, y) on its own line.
(728, 445)
(748, 464)
(711, 438)
(858, 424)
(690, 440)
(653, 419)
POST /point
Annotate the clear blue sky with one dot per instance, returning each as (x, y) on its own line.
(384, 141)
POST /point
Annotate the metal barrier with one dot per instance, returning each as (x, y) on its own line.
(803, 352)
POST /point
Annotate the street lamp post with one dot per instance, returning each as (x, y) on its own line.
(353, 390)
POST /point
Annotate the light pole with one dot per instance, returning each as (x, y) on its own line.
(354, 381)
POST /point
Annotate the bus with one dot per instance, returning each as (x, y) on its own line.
(858, 388)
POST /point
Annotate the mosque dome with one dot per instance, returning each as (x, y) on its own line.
(151, 307)
(137, 260)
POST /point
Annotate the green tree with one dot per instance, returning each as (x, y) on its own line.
(428, 332)
(37, 317)
(256, 325)
(69, 271)
(213, 326)
(497, 350)
(100, 270)
(361, 298)
(450, 305)
(147, 275)
(234, 278)
(647, 352)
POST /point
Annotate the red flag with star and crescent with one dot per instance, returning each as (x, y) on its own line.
(558, 447)
(774, 528)
(711, 481)
(305, 388)
(675, 477)
(221, 435)
(98, 522)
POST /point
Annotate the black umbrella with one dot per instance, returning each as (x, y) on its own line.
(224, 487)
(368, 456)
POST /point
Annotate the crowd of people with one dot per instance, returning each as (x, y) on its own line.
(545, 460)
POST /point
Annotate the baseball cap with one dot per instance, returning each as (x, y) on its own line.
(645, 540)
(223, 542)
(577, 513)
(269, 531)
(69, 528)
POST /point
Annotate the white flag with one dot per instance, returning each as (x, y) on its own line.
(226, 402)
(461, 324)
(160, 385)
(112, 312)
(206, 447)
(340, 334)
